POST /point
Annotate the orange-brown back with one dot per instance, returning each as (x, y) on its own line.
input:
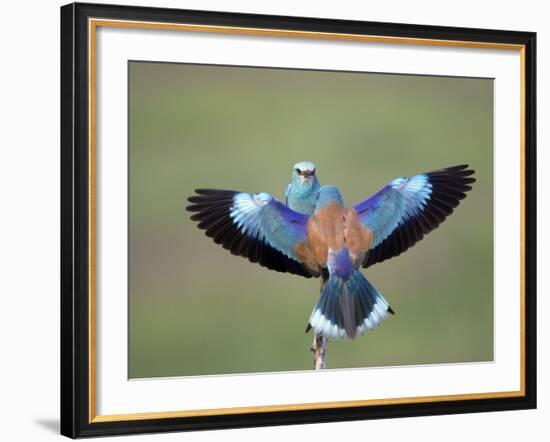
(333, 227)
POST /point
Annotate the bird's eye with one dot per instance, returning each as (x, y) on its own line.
(298, 171)
(313, 172)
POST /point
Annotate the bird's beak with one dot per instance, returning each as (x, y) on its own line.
(306, 175)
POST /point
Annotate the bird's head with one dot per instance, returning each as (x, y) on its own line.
(303, 174)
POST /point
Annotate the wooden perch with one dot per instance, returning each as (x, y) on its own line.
(319, 349)
(320, 344)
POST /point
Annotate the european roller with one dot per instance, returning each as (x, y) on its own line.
(302, 191)
(334, 241)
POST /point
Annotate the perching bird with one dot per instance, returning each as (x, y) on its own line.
(302, 191)
(334, 240)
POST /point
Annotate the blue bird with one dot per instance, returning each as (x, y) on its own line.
(334, 241)
(348, 303)
(302, 191)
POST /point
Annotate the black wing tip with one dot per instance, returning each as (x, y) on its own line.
(460, 166)
(454, 179)
(211, 210)
(204, 193)
(461, 169)
(205, 196)
(450, 186)
(209, 191)
(457, 168)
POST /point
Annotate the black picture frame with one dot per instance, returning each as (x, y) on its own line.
(75, 220)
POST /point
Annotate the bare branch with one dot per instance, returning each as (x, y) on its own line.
(320, 349)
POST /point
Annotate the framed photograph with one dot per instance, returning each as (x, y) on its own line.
(275, 220)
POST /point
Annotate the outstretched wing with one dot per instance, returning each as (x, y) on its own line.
(404, 210)
(254, 226)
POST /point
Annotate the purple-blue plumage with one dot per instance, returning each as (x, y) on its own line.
(264, 230)
(339, 263)
(254, 226)
(406, 209)
(349, 303)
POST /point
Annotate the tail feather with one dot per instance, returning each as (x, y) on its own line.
(349, 304)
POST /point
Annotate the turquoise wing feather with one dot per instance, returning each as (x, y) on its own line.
(406, 209)
(254, 226)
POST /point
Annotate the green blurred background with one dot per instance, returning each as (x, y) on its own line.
(194, 309)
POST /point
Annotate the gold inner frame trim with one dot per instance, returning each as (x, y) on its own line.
(93, 24)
